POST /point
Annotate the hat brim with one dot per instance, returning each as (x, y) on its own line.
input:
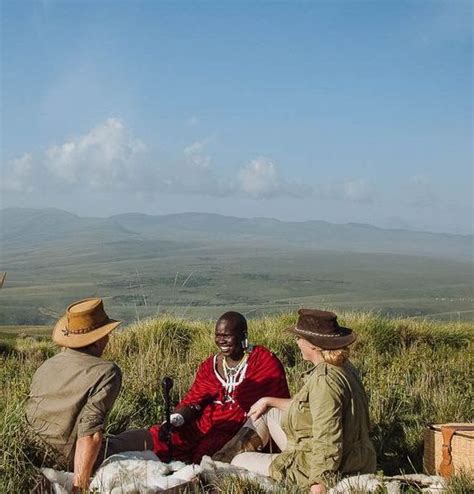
(70, 340)
(346, 338)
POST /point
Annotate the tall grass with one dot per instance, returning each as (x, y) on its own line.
(416, 372)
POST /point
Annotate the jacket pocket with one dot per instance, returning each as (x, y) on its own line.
(302, 401)
(301, 417)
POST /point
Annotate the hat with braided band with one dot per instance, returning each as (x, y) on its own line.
(321, 328)
(84, 323)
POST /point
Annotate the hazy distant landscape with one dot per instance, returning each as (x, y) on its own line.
(199, 265)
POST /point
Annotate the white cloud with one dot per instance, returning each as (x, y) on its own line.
(109, 157)
(108, 154)
(194, 173)
(20, 172)
(260, 179)
(195, 154)
(357, 190)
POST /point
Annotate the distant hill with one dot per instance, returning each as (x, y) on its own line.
(200, 265)
(24, 228)
(27, 228)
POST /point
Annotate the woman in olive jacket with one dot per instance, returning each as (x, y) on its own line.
(324, 429)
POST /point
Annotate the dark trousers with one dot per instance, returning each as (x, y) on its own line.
(131, 440)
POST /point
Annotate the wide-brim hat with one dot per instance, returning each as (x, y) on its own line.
(321, 328)
(84, 323)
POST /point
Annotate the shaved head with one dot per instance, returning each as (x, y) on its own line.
(234, 321)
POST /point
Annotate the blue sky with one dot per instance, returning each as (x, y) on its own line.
(344, 111)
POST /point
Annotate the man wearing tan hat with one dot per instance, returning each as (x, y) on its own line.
(72, 392)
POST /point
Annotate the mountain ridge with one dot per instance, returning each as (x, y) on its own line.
(23, 228)
(253, 218)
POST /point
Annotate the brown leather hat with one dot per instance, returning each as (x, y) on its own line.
(84, 323)
(320, 328)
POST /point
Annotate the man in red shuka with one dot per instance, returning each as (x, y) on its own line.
(225, 387)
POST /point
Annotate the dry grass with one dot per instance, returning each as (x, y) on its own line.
(417, 372)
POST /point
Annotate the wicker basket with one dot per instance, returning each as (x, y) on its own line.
(460, 451)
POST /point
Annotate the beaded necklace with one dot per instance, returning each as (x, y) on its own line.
(232, 373)
(233, 376)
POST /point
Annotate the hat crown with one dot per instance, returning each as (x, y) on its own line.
(86, 315)
(321, 328)
(318, 321)
(84, 323)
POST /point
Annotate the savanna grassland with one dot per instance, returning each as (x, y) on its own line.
(142, 279)
(416, 371)
(197, 266)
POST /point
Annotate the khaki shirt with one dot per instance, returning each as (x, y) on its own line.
(327, 426)
(71, 395)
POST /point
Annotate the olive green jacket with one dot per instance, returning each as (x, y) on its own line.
(70, 397)
(327, 426)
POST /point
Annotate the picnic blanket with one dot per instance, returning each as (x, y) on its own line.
(142, 472)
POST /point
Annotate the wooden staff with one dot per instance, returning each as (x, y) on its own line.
(167, 384)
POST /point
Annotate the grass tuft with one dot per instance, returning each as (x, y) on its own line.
(416, 372)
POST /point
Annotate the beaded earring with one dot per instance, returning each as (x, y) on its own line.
(245, 343)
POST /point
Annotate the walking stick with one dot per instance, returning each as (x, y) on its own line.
(167, 384)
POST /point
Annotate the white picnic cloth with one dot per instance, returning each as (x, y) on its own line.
(134, 471)
(427, 484)
(142, 472)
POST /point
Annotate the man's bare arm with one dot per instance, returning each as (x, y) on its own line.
(87, 449)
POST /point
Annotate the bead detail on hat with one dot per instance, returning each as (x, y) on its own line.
(312, 333)
(67, 332)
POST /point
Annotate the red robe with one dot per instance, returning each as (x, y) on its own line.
(221, 418)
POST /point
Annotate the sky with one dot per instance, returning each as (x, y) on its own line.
(343, 111)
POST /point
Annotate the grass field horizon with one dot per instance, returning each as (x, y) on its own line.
(199, 265)
(395, 357)
(141, 281)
